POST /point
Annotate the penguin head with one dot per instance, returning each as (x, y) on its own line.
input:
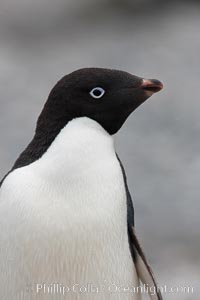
(104, 95)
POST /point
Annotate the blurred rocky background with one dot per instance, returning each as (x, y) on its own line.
(42, 40)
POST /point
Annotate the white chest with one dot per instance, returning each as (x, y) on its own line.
(65, 216)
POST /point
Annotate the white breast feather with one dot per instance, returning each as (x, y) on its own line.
(63, 219)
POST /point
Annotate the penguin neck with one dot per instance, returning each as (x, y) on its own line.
(44, 136)
(81, 145)
(82, 130)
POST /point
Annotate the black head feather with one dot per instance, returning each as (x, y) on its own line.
(71, 98)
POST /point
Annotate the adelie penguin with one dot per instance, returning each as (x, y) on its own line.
(66, 214)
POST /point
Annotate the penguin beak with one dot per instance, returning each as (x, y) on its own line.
(151, 86)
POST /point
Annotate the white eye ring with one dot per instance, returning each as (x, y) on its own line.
(97, 92)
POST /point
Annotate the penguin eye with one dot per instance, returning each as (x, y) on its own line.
(97, 92)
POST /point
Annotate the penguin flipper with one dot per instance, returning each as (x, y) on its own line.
(143, 269)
